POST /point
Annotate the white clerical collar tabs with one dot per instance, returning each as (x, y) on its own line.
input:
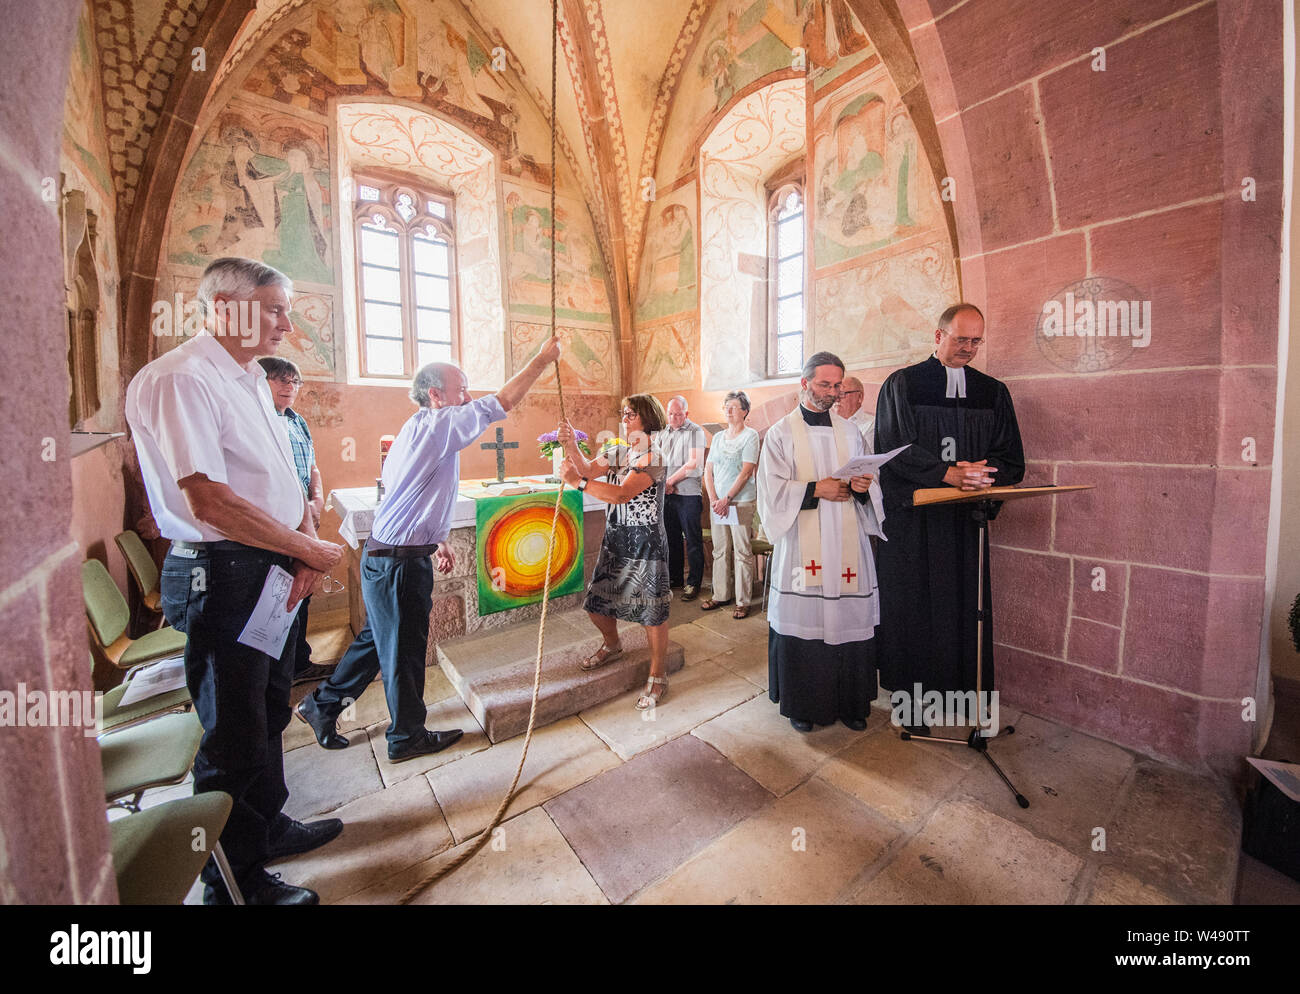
(956, 381)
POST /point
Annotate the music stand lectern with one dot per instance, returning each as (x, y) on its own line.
(983, 501)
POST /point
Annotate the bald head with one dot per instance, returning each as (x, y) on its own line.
(850, 397)
(440, 384)
(677, 409)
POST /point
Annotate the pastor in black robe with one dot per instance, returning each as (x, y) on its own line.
(927, 567)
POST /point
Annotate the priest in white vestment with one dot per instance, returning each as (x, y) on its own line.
(824, 604)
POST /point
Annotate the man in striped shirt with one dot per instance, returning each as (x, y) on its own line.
(285, 380)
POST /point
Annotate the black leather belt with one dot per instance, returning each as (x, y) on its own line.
(222, 546)
(400, 551)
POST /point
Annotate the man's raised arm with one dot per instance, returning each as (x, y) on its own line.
(513, 392)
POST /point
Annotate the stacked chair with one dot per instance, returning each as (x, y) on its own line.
(158, 852)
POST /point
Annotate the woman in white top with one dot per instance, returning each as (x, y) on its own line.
(729, 482)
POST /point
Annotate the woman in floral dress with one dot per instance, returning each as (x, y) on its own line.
(630, 579)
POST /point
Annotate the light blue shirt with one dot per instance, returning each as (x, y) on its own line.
(422, 472)
(726, 456)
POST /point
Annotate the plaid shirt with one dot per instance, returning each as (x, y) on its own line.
(304, 452)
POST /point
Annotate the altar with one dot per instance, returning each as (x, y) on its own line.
(474, 598)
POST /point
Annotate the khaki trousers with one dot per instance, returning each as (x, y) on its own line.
(727, 538)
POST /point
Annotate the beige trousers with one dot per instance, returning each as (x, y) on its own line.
(727, 538)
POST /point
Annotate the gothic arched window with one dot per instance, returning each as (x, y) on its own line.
(787, 274)
(406, 277)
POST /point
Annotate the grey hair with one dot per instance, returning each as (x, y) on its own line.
(236, 277)
(820, 359)
(945, 319)
(737, 395)
(429, 378)
(686, 408)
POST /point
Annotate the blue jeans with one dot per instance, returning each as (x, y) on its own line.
(398, 595)
(682, 520)
(241, 695)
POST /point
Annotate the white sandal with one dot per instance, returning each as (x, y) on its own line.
(650, 699)
(602, 656)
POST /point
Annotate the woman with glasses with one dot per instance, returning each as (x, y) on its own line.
(729, 482)
(630, 579)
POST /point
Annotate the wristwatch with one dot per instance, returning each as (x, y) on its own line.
(583, 485)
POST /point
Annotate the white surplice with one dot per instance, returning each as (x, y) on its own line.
(820, 612)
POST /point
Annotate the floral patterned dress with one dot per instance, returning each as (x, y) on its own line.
(630, 579)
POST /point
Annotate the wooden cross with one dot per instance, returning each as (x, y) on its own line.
(813, 568)
(848, 574)
(500, 445)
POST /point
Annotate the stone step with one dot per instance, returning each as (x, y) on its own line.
(493, 671)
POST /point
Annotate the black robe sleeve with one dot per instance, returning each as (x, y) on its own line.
(914, 467)
(1005, 449)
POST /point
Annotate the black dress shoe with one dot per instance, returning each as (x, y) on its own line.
(857, 724)
(298, 837)
(431, 743)
(262, 888)
(309, 713)
(801, 726)
(689, 592)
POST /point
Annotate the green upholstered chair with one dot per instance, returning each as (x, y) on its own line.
(108, 615)
(142, 567)
(155, 753)
(154, 852)
(114, 715)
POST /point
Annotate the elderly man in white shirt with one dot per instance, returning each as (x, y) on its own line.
(220, 478)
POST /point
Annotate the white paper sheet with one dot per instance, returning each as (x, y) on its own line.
(730, 518)
(268, 626)
(1285, 776)
(157, 678)
(865, 465)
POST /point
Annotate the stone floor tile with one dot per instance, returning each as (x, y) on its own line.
(446, 714)
(801, 849)
(1178, 832)
(749, 630)
(325, 779)
(901, 780)
(383, 834)
(698, 642)
(639, 821)
(759, 741)
(529, 862)
(695, 694)
(1114, 886)
(748, 662)
(966, 854)
(1071, 780)
(561, 756)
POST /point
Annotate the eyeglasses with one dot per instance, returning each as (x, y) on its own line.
(973, 343)
(293, 382)
(628, 414)
(848, 393)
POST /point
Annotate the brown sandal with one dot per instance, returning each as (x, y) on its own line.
(741, 612)
(712, 605)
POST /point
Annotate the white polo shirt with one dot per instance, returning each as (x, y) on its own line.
(196, 410)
